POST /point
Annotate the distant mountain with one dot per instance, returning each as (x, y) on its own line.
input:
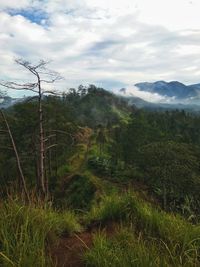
(8, 101)
(183, 97)
(178, 96)
(172, 89)
(140, 103)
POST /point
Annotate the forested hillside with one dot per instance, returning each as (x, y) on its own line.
(121, 184)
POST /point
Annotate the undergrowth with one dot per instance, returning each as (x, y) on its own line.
(154, 238)
(26, 231)
(128, 249)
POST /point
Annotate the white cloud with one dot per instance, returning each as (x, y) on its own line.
(14, 4)
(97, 40)
(147, 96)
(173, 14)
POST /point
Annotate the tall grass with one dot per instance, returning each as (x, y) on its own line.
(27, 230)
(179, 239)
(130, 250)
(155, 222)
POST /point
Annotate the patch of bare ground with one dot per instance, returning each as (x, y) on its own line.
(69, 251)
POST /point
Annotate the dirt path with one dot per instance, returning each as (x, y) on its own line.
(69, 251)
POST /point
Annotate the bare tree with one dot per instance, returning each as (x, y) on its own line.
(42, 75)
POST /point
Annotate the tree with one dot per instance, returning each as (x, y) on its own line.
(101, 138)
(42, 75)
(172, 168)
(82, 90)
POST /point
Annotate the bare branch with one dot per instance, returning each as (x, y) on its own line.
(48, 137)
(37, 69)
(49, 72)
(27, 65)
(54, 145)
(16, 86)
(65, 133)
(57, 78)
(51, 93)
(42, 64)
(47, 148)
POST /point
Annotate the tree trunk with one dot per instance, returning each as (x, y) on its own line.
(41, 140)
(17, 157)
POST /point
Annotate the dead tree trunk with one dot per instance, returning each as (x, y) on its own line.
(41, 140)
(23, 181)
(38, 71)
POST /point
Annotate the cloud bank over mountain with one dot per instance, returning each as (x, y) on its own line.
(164, 92)
(145, 95)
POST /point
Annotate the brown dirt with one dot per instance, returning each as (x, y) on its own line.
(69, 251)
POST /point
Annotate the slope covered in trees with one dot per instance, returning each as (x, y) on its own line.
(127, 179)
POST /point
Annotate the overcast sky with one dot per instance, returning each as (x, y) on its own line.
(111, 43)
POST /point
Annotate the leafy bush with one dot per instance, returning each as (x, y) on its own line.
(80, 192)
(63, 170)
(101, 165)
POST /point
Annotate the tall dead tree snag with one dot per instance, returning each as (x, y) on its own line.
(41, 75)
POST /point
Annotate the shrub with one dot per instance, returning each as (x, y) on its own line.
(63, 170)
(80, 192)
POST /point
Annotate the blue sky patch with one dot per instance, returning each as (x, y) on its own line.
(34, 15)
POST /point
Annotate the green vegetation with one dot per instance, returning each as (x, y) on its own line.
(26, 229)
(131, 208)
(128, 249)
(77, 194)
(127, 178)
(146, 236)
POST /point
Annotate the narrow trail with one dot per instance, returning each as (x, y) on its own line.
(80, 163)
(69, 251)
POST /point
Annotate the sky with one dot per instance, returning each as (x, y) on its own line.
(112, 44)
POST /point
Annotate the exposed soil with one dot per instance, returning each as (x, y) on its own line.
(69, 251)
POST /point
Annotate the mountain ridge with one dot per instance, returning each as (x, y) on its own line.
(171, 89)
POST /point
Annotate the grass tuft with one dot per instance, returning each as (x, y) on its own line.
(128, 249)
(25, 230)
(178, 240)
